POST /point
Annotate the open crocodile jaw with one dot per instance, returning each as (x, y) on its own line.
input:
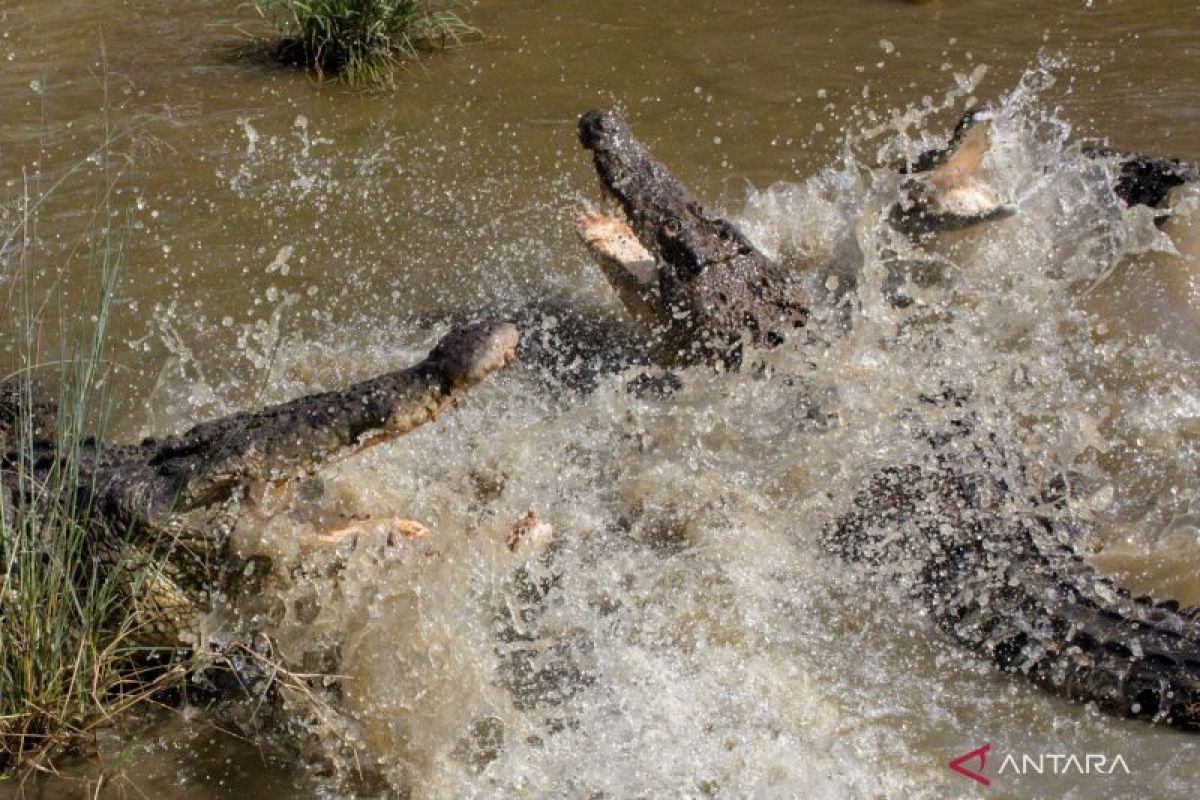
(715, 289)
(1001, 582)
(949, 195)
(666, 218)
(630, 268)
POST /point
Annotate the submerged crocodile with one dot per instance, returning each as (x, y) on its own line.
(991, 560)
(162, 510)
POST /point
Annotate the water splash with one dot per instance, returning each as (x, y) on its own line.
(683, 623)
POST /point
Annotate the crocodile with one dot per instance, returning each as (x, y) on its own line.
(1139, 178)
(994, 562)
(720, 291)
(1146, 180)
(944, 192)
(163, 510)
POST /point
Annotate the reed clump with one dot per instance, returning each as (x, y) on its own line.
(68, 657)
(364, 42)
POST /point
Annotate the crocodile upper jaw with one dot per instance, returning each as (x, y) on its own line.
(714, 290)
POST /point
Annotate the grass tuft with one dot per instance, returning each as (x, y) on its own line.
(68, 659)
(364, 42)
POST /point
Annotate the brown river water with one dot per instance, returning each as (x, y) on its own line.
(683, 634)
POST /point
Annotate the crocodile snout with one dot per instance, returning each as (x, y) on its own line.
(470, 354)
(599, 128)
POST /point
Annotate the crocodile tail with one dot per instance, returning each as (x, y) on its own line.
(1003, 581)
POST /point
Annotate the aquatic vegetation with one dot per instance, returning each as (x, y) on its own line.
(362, 41)
(67, 658)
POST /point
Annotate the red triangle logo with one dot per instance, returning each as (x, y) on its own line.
(981, 754)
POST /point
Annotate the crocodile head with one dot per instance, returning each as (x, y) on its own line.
(946, 193)
(702, 280)
(663, 214)
(468, 355)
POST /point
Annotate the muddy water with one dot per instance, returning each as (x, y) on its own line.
(683, 631)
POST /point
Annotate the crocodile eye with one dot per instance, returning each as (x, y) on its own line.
(672, 227)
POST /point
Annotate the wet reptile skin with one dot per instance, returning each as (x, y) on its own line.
(993, 568)
(162, 510)
(715, 289)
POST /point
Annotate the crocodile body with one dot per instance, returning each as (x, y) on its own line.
(997, 572)
(162, 510)
(994, 570)
(1144, 179)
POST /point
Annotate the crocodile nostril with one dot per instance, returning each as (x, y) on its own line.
(672, 227)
